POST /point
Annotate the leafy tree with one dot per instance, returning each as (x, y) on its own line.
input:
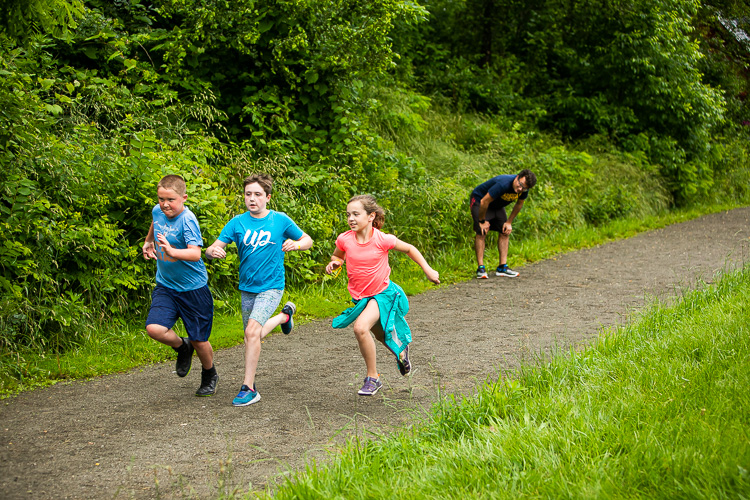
(20, 19)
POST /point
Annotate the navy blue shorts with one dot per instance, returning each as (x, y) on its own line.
(196, 308)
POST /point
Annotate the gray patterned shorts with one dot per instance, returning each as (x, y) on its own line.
(259, 306)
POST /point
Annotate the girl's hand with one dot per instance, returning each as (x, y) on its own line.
(433, 276)
(333, 265)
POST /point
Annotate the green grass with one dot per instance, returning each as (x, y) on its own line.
(118, 348)
(656, 409)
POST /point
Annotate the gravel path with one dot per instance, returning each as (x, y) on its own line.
(143, 434)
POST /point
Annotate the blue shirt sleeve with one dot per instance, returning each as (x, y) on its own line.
(292, 231)
(227, 232)
(192, 232)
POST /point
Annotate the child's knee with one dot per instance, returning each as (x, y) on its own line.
(156, 332)
(360, 330)
(253, 331)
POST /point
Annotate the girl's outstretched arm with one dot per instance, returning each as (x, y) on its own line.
(417, 257)
(337, 259)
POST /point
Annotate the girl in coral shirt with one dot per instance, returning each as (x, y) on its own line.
(380, 304)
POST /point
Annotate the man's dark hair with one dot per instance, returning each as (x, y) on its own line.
(529, 176)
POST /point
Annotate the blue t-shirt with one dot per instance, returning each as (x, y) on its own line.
(181, 231)
(259, 247)
(501, 190)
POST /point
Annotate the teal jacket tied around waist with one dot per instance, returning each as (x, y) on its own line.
(393, 306)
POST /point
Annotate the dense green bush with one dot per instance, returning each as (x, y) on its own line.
(414, 104)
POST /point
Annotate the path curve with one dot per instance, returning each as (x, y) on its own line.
(117, 436)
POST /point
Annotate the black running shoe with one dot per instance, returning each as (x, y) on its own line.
(209, 379)
(403, 363)
(505, 271)
(289, 309)
(184, 357)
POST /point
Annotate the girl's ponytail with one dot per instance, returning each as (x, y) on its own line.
(371, 206)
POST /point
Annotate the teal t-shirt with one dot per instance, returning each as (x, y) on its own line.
(259, 247)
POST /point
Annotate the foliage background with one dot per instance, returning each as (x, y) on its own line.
(623, 109)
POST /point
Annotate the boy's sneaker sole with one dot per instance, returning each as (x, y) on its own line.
(289, 309)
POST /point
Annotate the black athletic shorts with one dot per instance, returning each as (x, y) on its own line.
(496, 217)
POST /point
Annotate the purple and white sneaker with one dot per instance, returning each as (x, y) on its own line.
(371, 386)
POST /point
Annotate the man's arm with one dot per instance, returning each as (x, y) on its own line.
(484, 204)
(516, 208)
(508, 226)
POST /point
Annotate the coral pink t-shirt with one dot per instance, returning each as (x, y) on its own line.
(367, 263)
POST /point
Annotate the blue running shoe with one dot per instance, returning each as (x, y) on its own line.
(288, 309)
(481, 273)
(246, 396)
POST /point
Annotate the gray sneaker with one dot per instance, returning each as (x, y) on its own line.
(370, 387)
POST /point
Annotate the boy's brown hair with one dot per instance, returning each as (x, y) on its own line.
(174, 182)
(265, 181)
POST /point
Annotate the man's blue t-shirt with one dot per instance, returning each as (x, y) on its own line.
(501, 190)
(259, 247)
(181, 231)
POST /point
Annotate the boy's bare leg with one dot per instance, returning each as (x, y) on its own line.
(164, 335)
(253, 334)
(273, 323)
(479, 248)
(362, 326)
(205, 353)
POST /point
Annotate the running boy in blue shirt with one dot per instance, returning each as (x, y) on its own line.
(262, 236)
(174, 240)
